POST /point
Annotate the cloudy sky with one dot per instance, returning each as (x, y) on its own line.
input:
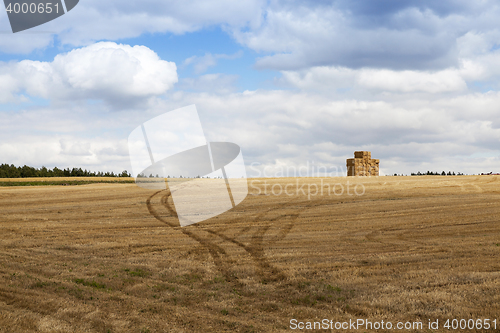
(294, 83)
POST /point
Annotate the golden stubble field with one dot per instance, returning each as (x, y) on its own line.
(111, 258)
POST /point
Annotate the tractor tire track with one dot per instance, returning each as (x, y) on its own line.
(256, 251)
(216, 252)
(265, 270)
(255, 247)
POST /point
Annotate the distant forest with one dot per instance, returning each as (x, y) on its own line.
(430, 173)
(11, 171)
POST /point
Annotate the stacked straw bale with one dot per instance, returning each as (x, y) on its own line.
(362, 164)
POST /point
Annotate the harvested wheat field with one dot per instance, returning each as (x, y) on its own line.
(111, 257)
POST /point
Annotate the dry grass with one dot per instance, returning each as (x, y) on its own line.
(111, 258)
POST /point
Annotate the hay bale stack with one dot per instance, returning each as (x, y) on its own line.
(362, 164)
(363, 155)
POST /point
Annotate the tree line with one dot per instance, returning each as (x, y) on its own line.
(430, 173)
(11, 171)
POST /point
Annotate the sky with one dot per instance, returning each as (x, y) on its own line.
(298, 85)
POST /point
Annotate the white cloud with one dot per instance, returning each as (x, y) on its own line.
(94, 20)
(105, 70)
(425, 35)
(477, 70)
(401, 83)
(275, 128)
(355, 34)
(78, 148)
(68, 136)
(295, 34)
(66, 152)
(201, 64)
(210, 83)
(8, 85)
(23, 42)
(116, 68)
(407, 136)
(331, 78)
(410, 81)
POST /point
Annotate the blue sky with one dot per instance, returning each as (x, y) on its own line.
(178, 48)
(292, 82)
(214, 41)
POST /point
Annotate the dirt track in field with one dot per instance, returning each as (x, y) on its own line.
(254, 247)
(112, 257)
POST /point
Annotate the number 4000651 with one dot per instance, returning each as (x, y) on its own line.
(471, 324)
(32, 8)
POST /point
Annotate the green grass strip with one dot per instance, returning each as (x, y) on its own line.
(63, 182)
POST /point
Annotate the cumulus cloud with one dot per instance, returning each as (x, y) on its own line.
(117, 19)
(393, 35)
(67, 136)
(407, 81)
(105, 70)
(402, 35)
(415, 82)
(330, 78)
(210, 83)
(201, 64)
(477, 69)
(67, 152)
(276, 128)
(94, 20)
